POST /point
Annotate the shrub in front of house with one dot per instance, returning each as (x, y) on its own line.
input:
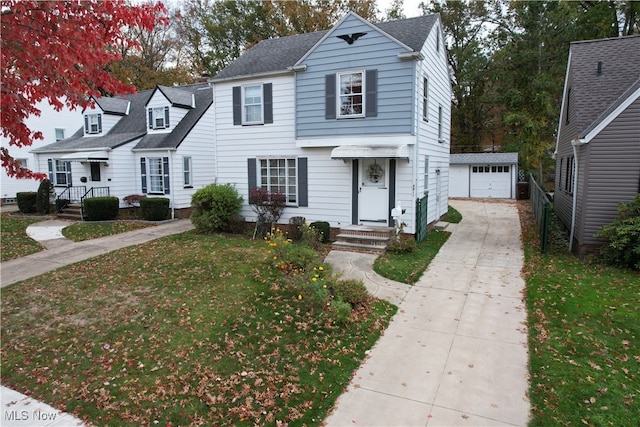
(323, 228)
(404, 244)
(101, 208)
(155, 208)
(623, 235)
(26, 201)
(353, 292)
(296, 223)
(43, 197)
(213, 207)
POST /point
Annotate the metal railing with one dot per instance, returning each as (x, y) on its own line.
(73, 194)
(541, 210)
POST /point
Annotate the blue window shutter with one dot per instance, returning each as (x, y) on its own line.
(86, 123)
(68, 167)
(303, 192)
(165, 172)
(371, 101)
(99, 123)
(166, 117)
(50, 163)
(237, 105)
(252, 174)
(268, 102)
(330, 96)
(150, 118)
(143, 174)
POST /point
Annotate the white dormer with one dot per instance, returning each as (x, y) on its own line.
(166, 108)
(106, 112)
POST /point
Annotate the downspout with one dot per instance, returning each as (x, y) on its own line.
(173, 187)
(576, 142)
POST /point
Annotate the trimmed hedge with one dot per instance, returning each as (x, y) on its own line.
(27, 201)
(155, 208)
(214, 206)
(323, 228)
(101, 208)
(44, 196)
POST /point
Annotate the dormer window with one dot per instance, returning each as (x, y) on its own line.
(92, 124)
(159, 117)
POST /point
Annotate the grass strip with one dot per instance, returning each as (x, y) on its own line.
(92, 230)
(14, 241)
(584, 326)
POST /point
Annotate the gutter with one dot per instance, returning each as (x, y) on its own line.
(575, 143)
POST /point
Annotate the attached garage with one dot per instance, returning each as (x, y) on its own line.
(483, 175)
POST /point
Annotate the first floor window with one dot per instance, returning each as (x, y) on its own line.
(440, 124)
(62, 168)
(279, 176)
(186, 170)
(568, 184)
(155, 175)
(351, 95)
(426, 174)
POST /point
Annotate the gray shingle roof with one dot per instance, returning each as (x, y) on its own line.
(593, 94)
(118, 106)
(178, 96)
(483, 158)
(134, 126)
(204, 99)
(278, 54)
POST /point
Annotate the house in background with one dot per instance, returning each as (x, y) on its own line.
(55, 126)
(598, 145)
(159, 143)
(346, 122)
(483, 175)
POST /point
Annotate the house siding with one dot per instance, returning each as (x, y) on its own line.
(175, 113)
(108, 120)
(613, 174)
(435, 68)
(372, 51)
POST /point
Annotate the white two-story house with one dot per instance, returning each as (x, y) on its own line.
(158, 143)
(348, 123)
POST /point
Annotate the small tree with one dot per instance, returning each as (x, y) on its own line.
(623, 235)
(44, 196)
(268, 206)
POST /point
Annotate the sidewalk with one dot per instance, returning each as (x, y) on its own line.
(455, 354)
(63, 252)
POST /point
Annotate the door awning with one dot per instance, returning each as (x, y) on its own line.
(86, 156)
(371, 151)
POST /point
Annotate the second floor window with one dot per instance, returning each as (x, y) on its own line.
(92, 124)
(252, 104)
(59, 134)
(351, 95)
(425, 99)
(159, 117)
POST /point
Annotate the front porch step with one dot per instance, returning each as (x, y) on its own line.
(71, 211)
(364, 239)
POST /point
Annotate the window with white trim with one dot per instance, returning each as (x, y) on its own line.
(426, 174)
(61, 173)
(351, 94)
(23, 163)
(279, 176)
(425, 99)
(93, 124)
(186, 171)
(252, 104)
(159, 117)
(59, 134)
(156, 177)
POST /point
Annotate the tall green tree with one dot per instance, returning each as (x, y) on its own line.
(465, 24)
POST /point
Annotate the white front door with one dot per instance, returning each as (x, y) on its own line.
(373, 192)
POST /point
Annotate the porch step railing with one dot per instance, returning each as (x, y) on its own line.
(72, 199)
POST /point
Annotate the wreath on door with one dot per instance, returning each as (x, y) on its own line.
(374, 173)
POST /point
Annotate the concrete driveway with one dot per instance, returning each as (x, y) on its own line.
(455, 354)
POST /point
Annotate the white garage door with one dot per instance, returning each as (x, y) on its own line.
(490, 181)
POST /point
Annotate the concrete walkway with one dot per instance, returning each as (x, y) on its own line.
(455, 354)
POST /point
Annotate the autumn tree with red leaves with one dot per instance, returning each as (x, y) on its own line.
(58, 51)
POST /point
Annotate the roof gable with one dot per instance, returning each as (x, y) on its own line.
(177, 96)
(117, 106)
(275, 56)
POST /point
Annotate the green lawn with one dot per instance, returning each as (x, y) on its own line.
(185, 330)
(14, 241)
(584, 337)
(92, 230)
(408, 267)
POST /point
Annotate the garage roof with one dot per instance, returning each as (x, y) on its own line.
(484, 158)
